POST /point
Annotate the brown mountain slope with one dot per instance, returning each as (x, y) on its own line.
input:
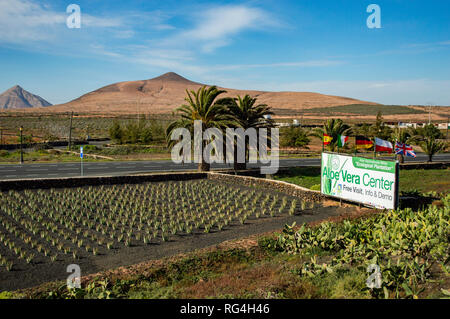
(18, 98)
(165, 93)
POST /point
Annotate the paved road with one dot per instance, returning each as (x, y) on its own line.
(14, 171)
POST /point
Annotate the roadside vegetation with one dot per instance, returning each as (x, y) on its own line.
(294, 137)
(142, 132)
(39, 156)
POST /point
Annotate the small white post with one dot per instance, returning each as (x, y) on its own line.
(81, 157)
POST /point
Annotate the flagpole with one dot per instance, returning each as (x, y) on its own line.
(323, 141)
(394, 156)
(374, 148)
(339, 142)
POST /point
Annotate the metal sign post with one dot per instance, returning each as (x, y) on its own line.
(21, 147)
(81, 157)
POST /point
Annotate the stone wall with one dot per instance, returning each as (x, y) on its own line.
(92, 181)
(281, 186)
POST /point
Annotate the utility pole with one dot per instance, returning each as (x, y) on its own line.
(1, 135)
(70, 132)
(138, 110)
(21, 149)
(448, 123)
(430, 106)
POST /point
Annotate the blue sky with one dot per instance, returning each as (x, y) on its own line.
(301, 45)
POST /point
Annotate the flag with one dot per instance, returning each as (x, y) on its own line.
(404, 149)
(382, 145)
(363, 142)
(327, 139)
(342, 140)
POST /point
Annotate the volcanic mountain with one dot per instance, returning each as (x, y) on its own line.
(165, 93)
(18, 98)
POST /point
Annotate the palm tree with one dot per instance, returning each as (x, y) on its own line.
(201, 105)
(432, 146)
(248, 114)
(333, 128)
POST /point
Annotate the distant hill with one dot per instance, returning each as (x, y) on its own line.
(165, 93)
(18, 98)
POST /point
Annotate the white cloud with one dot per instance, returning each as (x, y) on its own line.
(100, 49)
(124, 34)
(162, 27)
(216, 26)
(39, 27)
(100, 22)
(26, 20)
(221, 22)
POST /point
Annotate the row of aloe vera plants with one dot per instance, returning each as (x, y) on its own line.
(47, 225)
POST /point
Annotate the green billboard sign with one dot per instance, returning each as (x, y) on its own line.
(368, 181)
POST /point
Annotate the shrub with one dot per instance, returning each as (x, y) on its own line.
(116, 133)
(294, 137)
(4, 153)
(146, 135)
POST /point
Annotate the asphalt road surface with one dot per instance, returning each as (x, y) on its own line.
(56, 170)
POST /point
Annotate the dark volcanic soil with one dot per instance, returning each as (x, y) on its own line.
(39, 273)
